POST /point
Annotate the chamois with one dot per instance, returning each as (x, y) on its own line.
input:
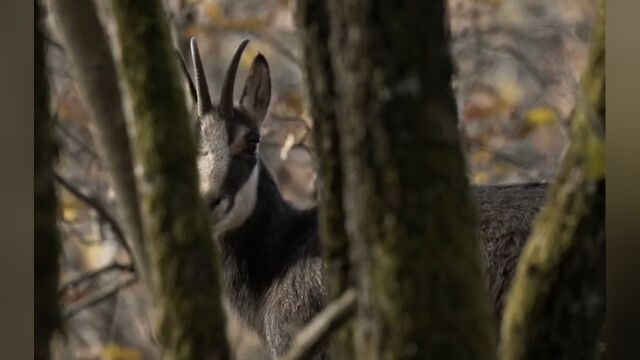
(273, 273)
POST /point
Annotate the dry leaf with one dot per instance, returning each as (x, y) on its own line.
(117, 352)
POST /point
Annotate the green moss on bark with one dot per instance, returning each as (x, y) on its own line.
(556, 306)
(183, 261)
(407, 200)
(47, 246)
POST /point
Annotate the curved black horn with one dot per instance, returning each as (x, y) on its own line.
(185, 72)
(202, 90)
(226, 95)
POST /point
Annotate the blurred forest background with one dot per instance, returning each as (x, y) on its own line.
(518, 65)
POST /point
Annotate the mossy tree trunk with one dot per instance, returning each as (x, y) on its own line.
(313, 24)
(47, 247)
(556, 306)
(184, 268)
(94, 70)
(407, 205)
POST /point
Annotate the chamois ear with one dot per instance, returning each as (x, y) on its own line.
(257, 90)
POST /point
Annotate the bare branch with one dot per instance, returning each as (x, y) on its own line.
(328, 320)
(277, 46)
(265, 37)
(53, 43)
(71, 136)
(97, 206)
(98, 296)
(521, 165)
(89, 276)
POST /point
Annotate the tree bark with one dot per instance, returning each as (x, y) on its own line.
(556, 306)
(47, 246)
(94, 70)
(313, 24)
(409, 214)
(184, 267)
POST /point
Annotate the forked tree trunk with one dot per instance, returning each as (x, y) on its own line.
(409, 215)
(94, 70)
(313, 24)
(556, 306)
(47, 247)
(184, 268)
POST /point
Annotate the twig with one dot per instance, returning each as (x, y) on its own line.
(293, 119)
(512, 159)
(277, 46)
(98, 296)
(519, 164)
(523, 60)
(72, 232)
(268, 39)
(92, 275)
(54, 43)
(328, 320)
(65, 131)
(95, 204)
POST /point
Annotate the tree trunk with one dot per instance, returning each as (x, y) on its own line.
(47, 247)
(313, 25)
(184, 268)
(556, 306)
(94, 70)
(409, 214)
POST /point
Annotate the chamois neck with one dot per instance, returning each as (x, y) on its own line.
(270, 207)
(255, 243)
(262, 252)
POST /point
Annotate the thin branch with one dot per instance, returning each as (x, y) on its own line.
(72, 233)
(328, 320)
(97, 206)
(98, 296)
(267, 38)
(524, 60)
(67, 133)
(293, 119)
(91, 275)
(519, 164)
(53, 43)
(277, 46)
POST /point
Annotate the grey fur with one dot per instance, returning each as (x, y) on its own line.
(273, 273)
(505, 215)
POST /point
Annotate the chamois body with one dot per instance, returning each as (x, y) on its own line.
(272, 267)
(273, 273)
(505, 217)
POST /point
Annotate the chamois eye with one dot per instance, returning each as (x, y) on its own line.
(252, 144)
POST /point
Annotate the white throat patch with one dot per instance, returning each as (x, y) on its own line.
(245, 202)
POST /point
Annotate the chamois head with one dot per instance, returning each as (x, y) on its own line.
(229, 136)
